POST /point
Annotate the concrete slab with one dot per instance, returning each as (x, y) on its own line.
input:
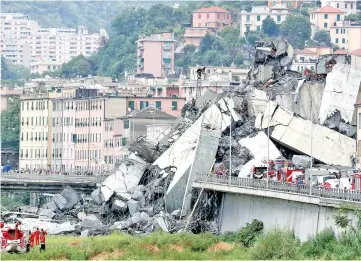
(328, 146)
(341, 91)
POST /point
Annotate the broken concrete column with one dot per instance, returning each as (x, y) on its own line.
(119, 206)
(46, 213)
(133, 207)
(97, 196)
(71, 196)
(91, 221)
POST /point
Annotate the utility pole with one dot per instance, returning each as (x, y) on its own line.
(230, 151)
(268, 135)
(311, 150)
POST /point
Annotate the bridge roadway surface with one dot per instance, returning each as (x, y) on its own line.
(48, 183)
(286, 191)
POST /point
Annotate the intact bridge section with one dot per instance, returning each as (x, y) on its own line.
(279, 205)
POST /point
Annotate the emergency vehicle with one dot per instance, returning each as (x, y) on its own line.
(12, 239)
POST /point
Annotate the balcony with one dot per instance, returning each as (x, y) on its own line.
(248, 22)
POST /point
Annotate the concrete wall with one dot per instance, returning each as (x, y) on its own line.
(302, 218)
(310, 92)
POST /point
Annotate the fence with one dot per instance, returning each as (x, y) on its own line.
(350, 195)
(52, 178)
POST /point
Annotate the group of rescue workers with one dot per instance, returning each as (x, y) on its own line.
(35, 238)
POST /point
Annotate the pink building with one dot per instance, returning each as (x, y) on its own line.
(194, 35)
(155, 54)
(211, 17)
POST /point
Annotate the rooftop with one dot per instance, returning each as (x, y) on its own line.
(328, 9)
(305, 51)
(356, 52)
(212, 9)
(340, 51)
(147, 113)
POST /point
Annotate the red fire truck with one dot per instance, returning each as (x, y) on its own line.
(12, 239)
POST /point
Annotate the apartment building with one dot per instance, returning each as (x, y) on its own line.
(116, 106)
(62, 133)
(24, 42)
(325, 17)
(346, 35)
(155, 54)
(252, 21)
(349, 6)
(211, 17)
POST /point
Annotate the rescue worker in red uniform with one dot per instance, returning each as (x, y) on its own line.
(37, 236)
(32, 239)
(42, 242)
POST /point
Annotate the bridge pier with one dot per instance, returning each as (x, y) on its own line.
(34, 199)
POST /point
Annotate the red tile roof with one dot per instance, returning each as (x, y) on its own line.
(305, 51)
(329, 9)
(356, 52)
(340, 51)
(212, 9)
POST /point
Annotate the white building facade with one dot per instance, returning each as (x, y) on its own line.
(24, 42)
(349, 6)
(252, 21)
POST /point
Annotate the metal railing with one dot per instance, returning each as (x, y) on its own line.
(343, 194)
(66, 179)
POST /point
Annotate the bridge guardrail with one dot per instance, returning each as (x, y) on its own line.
(56, 178)
(349, 195)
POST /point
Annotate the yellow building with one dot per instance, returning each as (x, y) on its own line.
(325, 17)
(346, 35)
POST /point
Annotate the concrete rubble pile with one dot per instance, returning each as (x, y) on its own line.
(152, 189)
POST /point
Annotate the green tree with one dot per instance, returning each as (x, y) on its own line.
(77, 66)
(270, 27)
(322, 36)
(297, 30)
(10, 71)
(252, 38)
(207, 43)
(10, 124)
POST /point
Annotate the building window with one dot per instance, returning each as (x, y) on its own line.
(325, 16)
(336, 31)
(248, 18)
(338, 5)
(199, 16)
(338, 17)
(124, 142)
(218, 16)
(207, 15)
(345, 6)
(351, 6)
(325, 25)
(144, 104)
(359, 120)
(258, 18)
(258, 28)
(126, 124)
(158, 105)
(131, 105)
(336, 40)
(247, 28)
(343, 40)
(174, 105)
(278, 18)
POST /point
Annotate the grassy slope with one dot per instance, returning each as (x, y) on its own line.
(158, 246)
